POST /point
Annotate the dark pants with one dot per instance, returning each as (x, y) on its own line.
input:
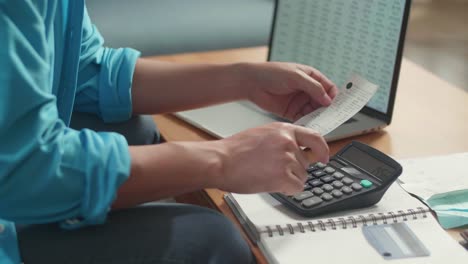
(157, 233)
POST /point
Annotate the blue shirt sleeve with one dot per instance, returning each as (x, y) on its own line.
(48, 172)
(105, 77)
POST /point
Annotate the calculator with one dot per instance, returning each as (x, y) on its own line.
(357, 176)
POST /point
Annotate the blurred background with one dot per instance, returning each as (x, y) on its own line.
(437, 36)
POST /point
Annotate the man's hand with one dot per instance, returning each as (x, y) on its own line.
(289, 90)
(286, 89)
(262, 159)
(268, 159)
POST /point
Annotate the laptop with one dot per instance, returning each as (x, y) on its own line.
(337, 37)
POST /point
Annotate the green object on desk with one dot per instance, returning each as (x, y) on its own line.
(451, 208)
(441, 182)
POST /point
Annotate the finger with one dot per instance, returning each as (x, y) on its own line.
(302, 159)
(330, 88)
(314, 89)
(299, 101)
(307, 109)
(333, 92)
(293, 186)
(295, 164)
(298, 170)
(306, 137)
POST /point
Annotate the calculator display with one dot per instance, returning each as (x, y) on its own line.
(368, 163)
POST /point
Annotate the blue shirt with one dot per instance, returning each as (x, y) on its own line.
(52, 62)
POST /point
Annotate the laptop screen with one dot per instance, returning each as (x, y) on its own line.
(341, 37)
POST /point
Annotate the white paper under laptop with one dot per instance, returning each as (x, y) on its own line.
(336, 37)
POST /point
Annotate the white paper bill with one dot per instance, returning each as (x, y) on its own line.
(352, 98)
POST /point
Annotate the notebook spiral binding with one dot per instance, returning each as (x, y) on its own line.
(348, 222)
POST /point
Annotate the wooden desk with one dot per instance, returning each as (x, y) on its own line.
(430, 118)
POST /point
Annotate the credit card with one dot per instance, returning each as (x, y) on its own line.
(395, 241)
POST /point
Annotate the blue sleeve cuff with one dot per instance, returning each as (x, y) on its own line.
(83, 174)
(9, 252)
(104, 176)
(115, 83)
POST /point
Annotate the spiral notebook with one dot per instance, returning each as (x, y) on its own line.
(351, 236)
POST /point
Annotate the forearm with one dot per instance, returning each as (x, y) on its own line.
(259, 160)
(169, 169)
(161, 87)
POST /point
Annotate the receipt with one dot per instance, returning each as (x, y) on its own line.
(352, 98)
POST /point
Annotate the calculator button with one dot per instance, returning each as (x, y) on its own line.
(326, 197)
(356, 187)
(307, 187)
(310, 178)
(317, 183)
(337, 193)
(337, 184)
(327, 179)
(347, 181)
(338, 175)
(366, 184)
(347, 190)
(317, 191)
(311, 202)
(318, 173)
(329, 170)
(327, 187)
(320, 165)
(302, 196)
(311, 168)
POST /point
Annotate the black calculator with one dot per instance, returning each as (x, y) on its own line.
(357, 176)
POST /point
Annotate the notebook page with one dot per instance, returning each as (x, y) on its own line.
(350, 246)
(263, 210)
